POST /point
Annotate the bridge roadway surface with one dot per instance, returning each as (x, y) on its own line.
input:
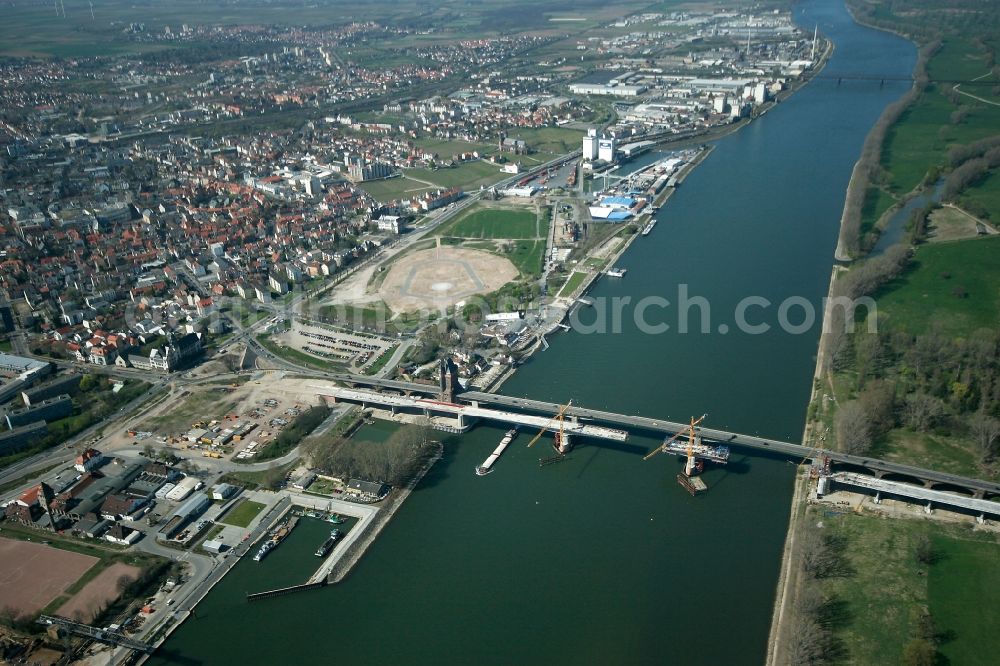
(662, 426)
(470, 411)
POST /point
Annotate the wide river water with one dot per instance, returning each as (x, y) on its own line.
(604, 558)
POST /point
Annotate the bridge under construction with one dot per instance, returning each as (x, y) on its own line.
(910, 482)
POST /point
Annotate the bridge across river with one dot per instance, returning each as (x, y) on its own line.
(931, 479)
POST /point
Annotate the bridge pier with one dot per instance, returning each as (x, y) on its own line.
(979, 494)
(928, 509)
(981, 519)
(878, 498)
(928, 484)
(564, 443)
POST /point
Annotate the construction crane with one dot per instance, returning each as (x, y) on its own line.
(691, 464)
(560, 435)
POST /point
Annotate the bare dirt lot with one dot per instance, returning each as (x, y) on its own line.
(259, 401)
(437, 278)
(97, 594)
(32, 574)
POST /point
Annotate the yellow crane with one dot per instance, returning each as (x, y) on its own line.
(557, 417)
(662, 448)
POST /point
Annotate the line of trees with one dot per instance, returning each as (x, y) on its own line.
(814, 616)
(868, 165)
(293, 433)
(863, 279)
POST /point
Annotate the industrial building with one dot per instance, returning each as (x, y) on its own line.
(183, 516)
(606, 89)
(23, 437)
(606, 149)
(51, 389)
(223, 491)
(47, 410)
(590, 145)
(184, 487)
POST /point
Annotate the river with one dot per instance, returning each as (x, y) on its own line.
(603, 558)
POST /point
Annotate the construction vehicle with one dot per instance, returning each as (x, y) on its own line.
(561, 441)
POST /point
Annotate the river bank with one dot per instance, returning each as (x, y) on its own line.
(815, 432)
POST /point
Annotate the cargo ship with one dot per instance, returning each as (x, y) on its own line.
(277, 535)
(649, 227)
(487, 466)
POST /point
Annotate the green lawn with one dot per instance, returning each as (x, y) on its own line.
(984, 196)
(953, 455)
(494, 223)
(955, 286)
(923, 134)
(392, 189)
(874, 627)
(961, 589)
(527, 256)
(299, 357)
(448, 148)
(242, 514)
(551, 140)
(877, 201)
(876, 602)
(468, 176)
(380, 362)
(573, 283)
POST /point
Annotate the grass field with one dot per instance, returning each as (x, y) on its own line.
(877, 201)
(964, 609)
(242, 515)
(392, 189)
(551, 140)
(468, 176)
(494, 223)
(195, 407)
(33, 29)
(944, 454)
(985, 196)
(954, 285)
(922, 136)
(573, 283)
(876, 601)
(296, 356)
(448, 148)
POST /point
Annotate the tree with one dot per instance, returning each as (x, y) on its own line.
(122, 583)
(919, 652)
(854, 432)
(924, 550)
(878, 402)
(816, 554)
(148, 451)
(87, 383)
(985, 432)
(922, 411)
